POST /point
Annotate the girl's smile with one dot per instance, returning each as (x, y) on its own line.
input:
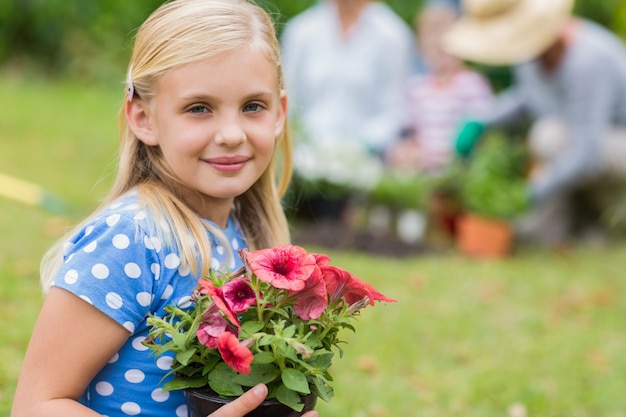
(228, 163)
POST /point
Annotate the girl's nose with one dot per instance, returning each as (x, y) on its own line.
(230, 132)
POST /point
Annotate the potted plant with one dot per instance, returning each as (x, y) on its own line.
(493, 191)
(274, 321)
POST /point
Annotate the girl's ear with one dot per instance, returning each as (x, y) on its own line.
(140, 122)
(282, 114)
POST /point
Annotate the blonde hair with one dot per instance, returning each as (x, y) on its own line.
(177, 33)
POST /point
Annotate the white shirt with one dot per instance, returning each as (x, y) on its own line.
(346, 91)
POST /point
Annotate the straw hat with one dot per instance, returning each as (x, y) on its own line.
(506, 32)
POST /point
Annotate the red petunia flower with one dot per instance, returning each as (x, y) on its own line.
(321, 259)
(341, 284)
(235, 355)
(286, 267)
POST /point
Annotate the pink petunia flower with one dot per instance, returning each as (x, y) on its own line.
(211, 328)
(287, 267)
(235, 355)
(207, 287)
(312, 299)
(238, 294)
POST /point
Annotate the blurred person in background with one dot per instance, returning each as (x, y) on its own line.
(569, 77)
(346, 63)
(437, 99)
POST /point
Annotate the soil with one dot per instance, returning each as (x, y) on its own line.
(336, 235)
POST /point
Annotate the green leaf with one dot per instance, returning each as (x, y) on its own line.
(289, 331)
(263, 357)
(264, 373)
(322, 388)
(184, 356)
(295, 380)
(289, 398)
(221, 381)
(182, 383)
(268, 340)
(251, 327)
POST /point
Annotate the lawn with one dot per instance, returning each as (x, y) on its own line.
(538, 334)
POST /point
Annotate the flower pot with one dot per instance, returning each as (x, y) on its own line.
(481, 237)
(202, 401)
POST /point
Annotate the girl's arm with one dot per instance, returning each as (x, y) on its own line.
(70, 343)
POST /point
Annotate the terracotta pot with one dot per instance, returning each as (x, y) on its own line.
(202, 401)
(481, 237)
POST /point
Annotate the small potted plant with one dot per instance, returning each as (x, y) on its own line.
(274, 321)
(493, 191)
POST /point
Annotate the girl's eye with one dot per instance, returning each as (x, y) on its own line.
(252, 107)
(198, 109)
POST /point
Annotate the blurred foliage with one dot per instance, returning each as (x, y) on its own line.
(493, 183)
(402, 190)
(90, 40)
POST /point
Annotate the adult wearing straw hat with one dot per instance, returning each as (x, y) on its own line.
(570, 79)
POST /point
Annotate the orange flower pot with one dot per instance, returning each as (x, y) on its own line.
(480, 237)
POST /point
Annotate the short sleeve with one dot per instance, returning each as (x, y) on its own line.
(113, 265)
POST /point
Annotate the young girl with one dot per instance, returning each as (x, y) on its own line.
(202, 121)
(438, 100)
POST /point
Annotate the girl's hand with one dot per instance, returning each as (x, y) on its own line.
(248, 402)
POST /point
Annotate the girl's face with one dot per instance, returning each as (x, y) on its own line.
(216, 122)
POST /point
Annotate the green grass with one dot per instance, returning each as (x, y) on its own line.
(539, 331)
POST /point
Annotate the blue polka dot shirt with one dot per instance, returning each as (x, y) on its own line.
(115, 264)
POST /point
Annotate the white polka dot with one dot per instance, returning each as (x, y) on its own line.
(88, 230)
(172, 261)
(130, 326)
(135, 376)
(164, 362)
(100, 271)
(104, 388)
(183, 271)
(69, 258)
(131, 207)
(113, 219)
(132, 270)
(156, 270)
(85, 298)
(152, 243)
(159, 395)
(184, 302)
(71, 276)
(235, 244)
(67, 246)
(167, 292)
(140, 215)
(121, 241)
(220, 249)
(91, 247)
(147, 242)
(181, 411)
(138, 344)
(116, 205)
(115, 358)
(114, 300)
(131, 409)
(144, 298)
(215, 263)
